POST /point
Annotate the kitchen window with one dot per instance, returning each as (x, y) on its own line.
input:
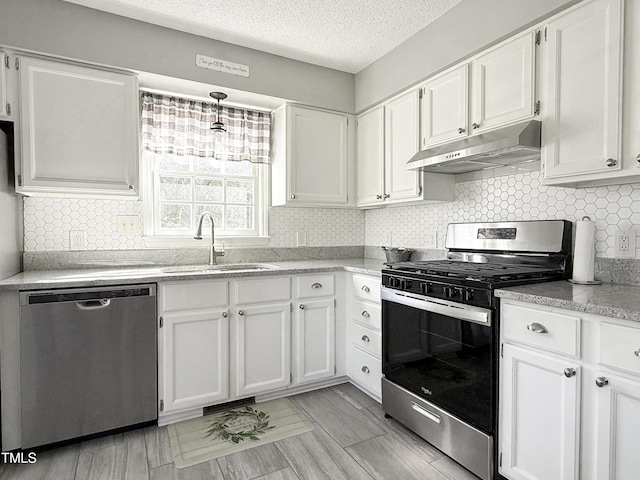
(188, 169)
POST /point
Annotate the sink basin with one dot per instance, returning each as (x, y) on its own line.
(231, 267)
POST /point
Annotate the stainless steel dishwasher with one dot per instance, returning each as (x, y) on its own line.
(88, 361)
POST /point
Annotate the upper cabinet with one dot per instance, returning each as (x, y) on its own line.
(79, 130)
(312, 153)
(581, 84)
(388, 136)
(493, 89)
(4, 99)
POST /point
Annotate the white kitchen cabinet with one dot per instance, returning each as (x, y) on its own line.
(312, 157)
(262, 348)
(5, 109)
(314, 340)
(503, 81)
(540, 408)
(388, 136)
(79, 130)
(581, 86)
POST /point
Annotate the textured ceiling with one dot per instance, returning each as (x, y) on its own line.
(345, 35)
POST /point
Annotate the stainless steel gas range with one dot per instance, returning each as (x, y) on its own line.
(440, 329)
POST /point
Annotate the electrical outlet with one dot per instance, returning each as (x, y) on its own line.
(301, 239)
(127, 224)
(625, 244)
(76, 240)
(430, 240)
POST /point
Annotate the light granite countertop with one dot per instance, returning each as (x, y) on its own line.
(44, 279)
(610, 300)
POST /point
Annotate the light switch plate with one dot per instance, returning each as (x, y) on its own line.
(127, 224)
(301, 239)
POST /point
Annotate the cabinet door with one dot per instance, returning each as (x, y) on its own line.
(539, 416)
(402, 141)
(445, 107)
(195, 360)
(314, 334)
(581, 87)
(318, 149)
(4, 65)
(371, 157)
(503, 84)
(79, 129)
(618, 426)
(262, 348)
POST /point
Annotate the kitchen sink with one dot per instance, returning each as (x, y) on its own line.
(232, 267)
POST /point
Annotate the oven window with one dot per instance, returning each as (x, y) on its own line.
(444, 360)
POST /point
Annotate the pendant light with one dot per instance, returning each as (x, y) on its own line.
(218, 126)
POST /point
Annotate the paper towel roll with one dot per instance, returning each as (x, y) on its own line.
(584, 250)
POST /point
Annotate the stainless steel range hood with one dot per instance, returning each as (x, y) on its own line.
(506, 146)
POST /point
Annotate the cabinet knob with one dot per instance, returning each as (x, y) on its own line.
(293, 196)
(301, 307)
(638, 159)
(365, 369)
(365, 338)
(225, 314)
(602, 381)
(537, 328)
(316, 285)
(637, 352)
(461, 130)
(476, 126)
(365, 314)
(366, 289)
(569, 372)
(378, 197)
(611, 162)
(130, 187)
(386, 195)
(240, 312)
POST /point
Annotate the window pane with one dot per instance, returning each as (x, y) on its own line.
(175, 188)
(239, 218)
(215, 211)
(240, 191)
(172, 163)
(209, 190)
(207, 165)
(175, 217)
(243, 168)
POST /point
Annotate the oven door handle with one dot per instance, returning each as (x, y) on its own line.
(460, 311)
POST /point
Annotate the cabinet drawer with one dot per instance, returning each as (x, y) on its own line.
(368, 314)
(193, 295)
(548, 330)
(263, 290)
(365, 369)
(620, 347)
(316, 286)
(366, 339)
(366, 288)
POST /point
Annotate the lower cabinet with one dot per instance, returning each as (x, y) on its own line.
(314, 340)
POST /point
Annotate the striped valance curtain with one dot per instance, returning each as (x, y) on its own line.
(180, 126)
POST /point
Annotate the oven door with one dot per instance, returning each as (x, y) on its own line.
(441, 351)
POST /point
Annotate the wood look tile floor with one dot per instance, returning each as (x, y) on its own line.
(351, 441)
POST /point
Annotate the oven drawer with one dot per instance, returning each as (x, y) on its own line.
(620, 347)
(365, 369)
(366, 288)
(367, 314)
(552, 331)
(310, 286)
(366, 339)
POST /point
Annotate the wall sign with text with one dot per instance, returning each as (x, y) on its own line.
(219, 65)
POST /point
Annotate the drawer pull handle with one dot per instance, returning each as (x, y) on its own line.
(366, 289)
(569, 372)
(602, 381)
(365, 338)
(537, 328)
(365, 369)
(637, 352)
(365, 314)
(423, 411)
(316, 285)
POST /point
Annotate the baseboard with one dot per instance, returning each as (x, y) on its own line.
(308, 387)
(376, 396)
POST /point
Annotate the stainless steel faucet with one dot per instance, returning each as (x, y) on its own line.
(198, 236)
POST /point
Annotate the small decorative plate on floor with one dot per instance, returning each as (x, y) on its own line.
(212, 436)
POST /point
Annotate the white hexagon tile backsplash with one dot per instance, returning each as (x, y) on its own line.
(518, 197)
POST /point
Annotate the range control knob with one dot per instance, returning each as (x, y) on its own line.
(426, 287)
(448, 292)
(467, 295)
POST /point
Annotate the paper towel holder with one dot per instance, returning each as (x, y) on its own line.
(588, 282)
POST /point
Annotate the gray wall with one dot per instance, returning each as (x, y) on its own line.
(68, 30)
(468, 28)
(10, 213)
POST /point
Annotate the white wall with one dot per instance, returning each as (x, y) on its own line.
(468, 28)
(11, 215)
(68, 30)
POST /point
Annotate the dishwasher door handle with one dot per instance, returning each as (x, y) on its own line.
(93, 304)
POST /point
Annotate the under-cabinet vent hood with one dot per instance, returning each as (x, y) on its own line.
(506, 146)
